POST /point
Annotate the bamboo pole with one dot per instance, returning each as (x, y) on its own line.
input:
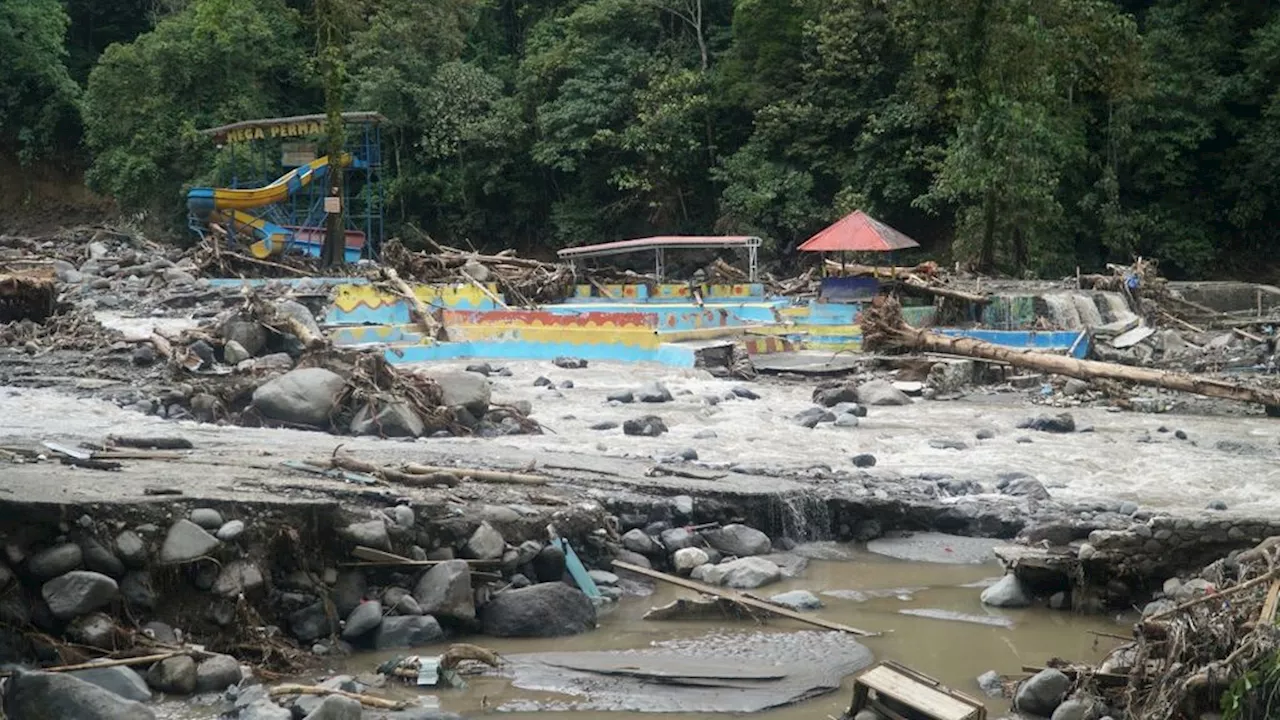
(741, 599)
(486, 291)
(390, 474)
(1221, 594)
(366, 700)
(884, 326)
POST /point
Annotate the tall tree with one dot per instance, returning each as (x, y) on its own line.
(38, 98)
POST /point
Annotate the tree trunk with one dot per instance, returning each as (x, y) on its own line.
(329, 25)
(987, 255)
(883, 326)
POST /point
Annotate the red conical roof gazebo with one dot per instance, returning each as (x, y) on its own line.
(858, 232)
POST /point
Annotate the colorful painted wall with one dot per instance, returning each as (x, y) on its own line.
(363, 304)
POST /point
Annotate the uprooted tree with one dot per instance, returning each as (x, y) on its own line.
(884, 329)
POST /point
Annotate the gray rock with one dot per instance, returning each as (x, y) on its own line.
(605, 425)
(637, 541)
(78, 592)
(304, 396)
(238, 577)
(683, 504)
(371, 533)
(137, 591)
(230, 530)
(864, 460)
(1063, 423)
(686, 559)
(745, 573)
(299, 312)
(349, 589)
(1074, 386)
(1027, 487)
(185, 542)
(394, 419)
(249, 335)
(48, 696)
(1076, 709)
(264, 709)
(362, 620)
(985, 434)
(401, 601)
(235, 353)
(407, 631)
(810, 417)
(95, 630)
(740, 540)
(646, 426)
(1007, 592)
(218, 672)
(844, 392)
(549, 565)
(310, 623)
(131, 549)
(991, 684)
(99, 559)
(445, 591)
(621, 396)
(175, 675)
(569, 363)
(1042, 693)
(797, 600)
(486, 543)
(469, 390)
(845, 420)
(948, 444)
(653, 392)
(403, 516)
(1216, 505)
(280, 361)
(336, 707)
(160, 632)
(676, 538)
(545, 610)
(881, 392)
(121, 680)
(55, 561)
(207, 518)
(633, 558)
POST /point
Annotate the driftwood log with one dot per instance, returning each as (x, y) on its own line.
(884, 328)
(423, 314)
(920, 278)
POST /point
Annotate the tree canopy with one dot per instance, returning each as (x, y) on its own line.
(1025, 136)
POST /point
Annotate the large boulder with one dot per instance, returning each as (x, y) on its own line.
(744, 574)
(137, 590)
(686, 559)
(131, 549)
(1042, 693)
(407, 631)
(546, 610)
(445, 591)
(310, 623)
(55, 561)
(395, 419)
(336, 707)
(646, 426)
(637, 541)
(218, 672)
(830, 396)
(176, 675)
(797, 600)
(349, 591)
(486, 543)
(100, 559)
(185, 542)
(653, 392)
(1063, 423)
(740, 540)
(677, 538)
(466, 389)
(249, 334)
(78, 592)
(238, 577)
(370, 533)
(60, 696)
(1007, 592)
(881, 392)
(362, 620)
(121, 680)
(304, 396)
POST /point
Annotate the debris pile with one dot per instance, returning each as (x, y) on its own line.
(524, 281)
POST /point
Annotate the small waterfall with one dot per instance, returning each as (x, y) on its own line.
(800, 515)
(1062, 311)
(1112, 306)
(1089, 315)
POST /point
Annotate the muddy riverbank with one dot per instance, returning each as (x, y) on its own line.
(1101, 494)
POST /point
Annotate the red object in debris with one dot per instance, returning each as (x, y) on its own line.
(858, 232)
(947, 549)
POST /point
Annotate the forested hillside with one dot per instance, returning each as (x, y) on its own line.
(1027, 136)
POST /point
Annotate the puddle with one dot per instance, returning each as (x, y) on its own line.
(928, 618)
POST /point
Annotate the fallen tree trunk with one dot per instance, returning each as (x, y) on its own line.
(428, 321)
(883, 327)
(917, 284)
(897, 272)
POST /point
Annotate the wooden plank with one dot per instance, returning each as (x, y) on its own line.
(1268, 615)
(741, 599)
(376, 555)
(907, 690)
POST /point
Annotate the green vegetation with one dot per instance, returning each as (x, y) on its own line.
(1027, 136)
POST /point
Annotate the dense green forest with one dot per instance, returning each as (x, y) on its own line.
(1028, 136)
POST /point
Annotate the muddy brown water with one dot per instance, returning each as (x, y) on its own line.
(859, 589)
